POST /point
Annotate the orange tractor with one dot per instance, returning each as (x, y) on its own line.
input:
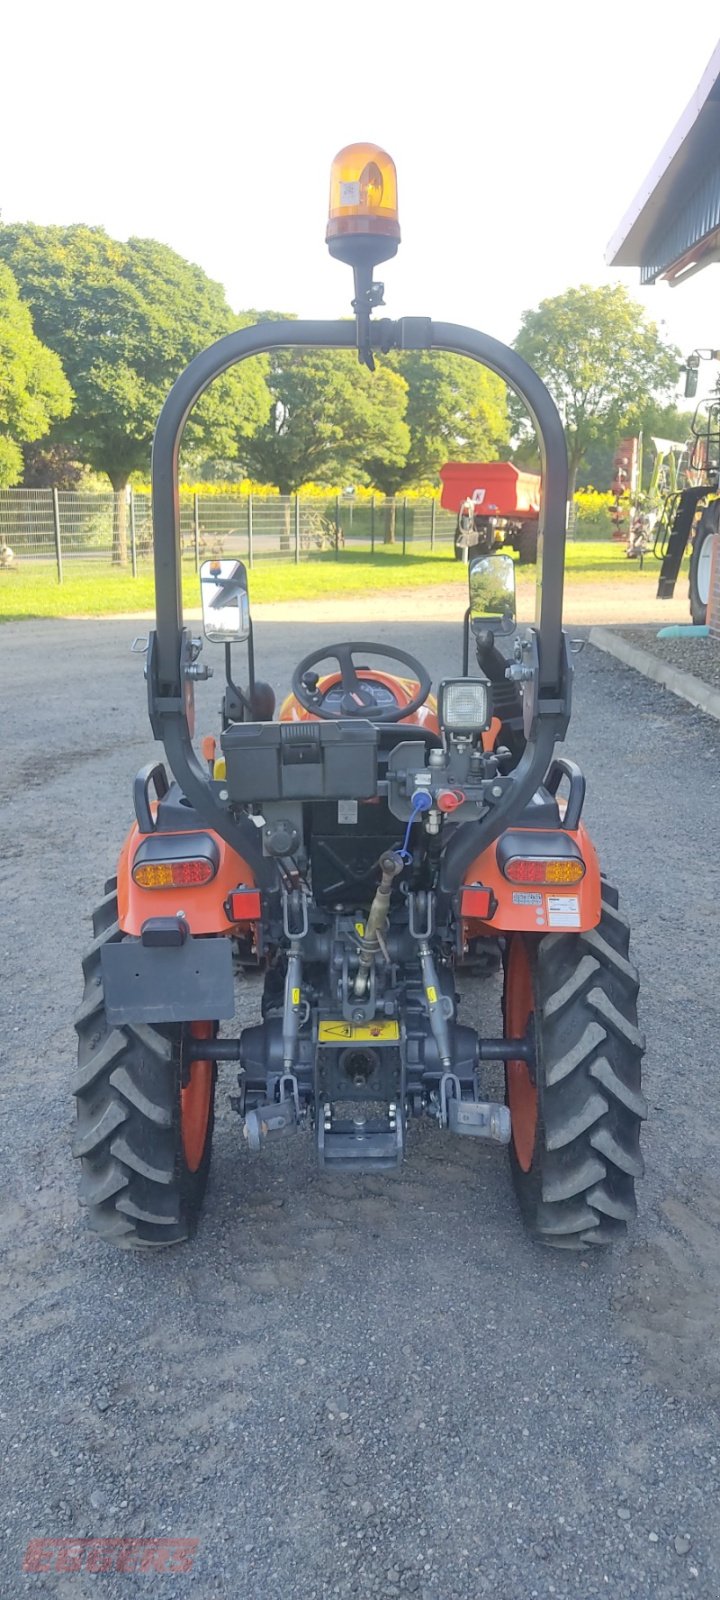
(358, 851)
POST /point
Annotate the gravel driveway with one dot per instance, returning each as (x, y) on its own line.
(358, 1386)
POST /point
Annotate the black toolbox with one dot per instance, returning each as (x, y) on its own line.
(301, 760)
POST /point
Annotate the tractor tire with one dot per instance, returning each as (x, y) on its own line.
(526, 544)
(574, 1150)
(143, 1138)
(700, 561)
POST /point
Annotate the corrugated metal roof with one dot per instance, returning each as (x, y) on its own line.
(676, 207)
(695, 221)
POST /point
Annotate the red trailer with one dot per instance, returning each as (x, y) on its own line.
(496, 503)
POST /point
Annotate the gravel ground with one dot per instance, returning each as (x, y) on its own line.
(361, 1386)
(701, 657)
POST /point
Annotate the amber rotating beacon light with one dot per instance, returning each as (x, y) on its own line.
(363, 227)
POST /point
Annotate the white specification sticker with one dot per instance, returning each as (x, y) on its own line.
(563, 911)
(349, 194)
(347, 811)
(524, 898)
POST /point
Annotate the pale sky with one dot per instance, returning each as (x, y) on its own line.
(521, 132)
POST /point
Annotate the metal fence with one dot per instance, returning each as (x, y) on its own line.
(57, 527)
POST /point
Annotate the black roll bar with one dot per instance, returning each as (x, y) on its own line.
(168, 691)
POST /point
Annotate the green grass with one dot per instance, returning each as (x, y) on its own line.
(93, 590)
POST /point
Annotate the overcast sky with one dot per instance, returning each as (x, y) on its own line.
(521, 132)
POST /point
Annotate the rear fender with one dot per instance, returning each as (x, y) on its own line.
(518, 908)
(202, 905)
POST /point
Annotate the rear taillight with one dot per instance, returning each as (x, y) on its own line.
(174, 874)
(543, 869)
(176, 861)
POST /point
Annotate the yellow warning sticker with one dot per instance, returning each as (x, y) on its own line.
(296, 997)
(432, 995)
(351, 1032)
(360, 928)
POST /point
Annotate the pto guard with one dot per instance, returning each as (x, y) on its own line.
(202, 905)
(531, 908)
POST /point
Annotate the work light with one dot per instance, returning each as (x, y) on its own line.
(464, 705)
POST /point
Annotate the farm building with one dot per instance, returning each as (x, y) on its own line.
(672, 229)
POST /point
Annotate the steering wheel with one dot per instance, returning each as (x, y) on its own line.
(357, 698)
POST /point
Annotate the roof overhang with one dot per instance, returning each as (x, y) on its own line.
(673, 225)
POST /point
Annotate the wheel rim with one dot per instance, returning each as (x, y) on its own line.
(521, 1091)
(195, 1101)
(703, 570)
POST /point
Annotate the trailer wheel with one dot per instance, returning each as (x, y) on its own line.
(574, 1151)
(143, 1137)
(525, 541)
(701, 561)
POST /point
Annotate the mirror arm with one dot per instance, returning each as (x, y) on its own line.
(466, 644)
(240, 693)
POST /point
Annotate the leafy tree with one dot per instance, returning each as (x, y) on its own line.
(49, 466)
(125, 319)
(329, 417)
(601, 360)
(33, 386)
(456, 411)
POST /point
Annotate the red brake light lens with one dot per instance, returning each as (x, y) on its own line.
(244, 905)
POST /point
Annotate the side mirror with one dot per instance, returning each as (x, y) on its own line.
(225, 602)
(492, 594)
(691, 377)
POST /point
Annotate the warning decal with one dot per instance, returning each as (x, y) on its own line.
(350, 1032)
(563, 911)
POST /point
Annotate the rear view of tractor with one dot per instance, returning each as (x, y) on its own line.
(357, 852)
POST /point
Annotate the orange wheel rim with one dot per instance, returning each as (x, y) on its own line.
(195, 1098)
(521, 1091)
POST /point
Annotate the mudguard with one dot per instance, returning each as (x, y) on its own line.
(188, 982)
(550, 908)
(203, 906)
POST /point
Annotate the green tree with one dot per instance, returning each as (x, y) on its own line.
(601, 360)
(456, 411)
(33, 387)
(125, 319)
(51, 466)
(329, 417)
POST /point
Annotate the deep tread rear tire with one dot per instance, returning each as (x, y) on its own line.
(708, 525)
(579, 1189)
(526, 544)
(135, 1182)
